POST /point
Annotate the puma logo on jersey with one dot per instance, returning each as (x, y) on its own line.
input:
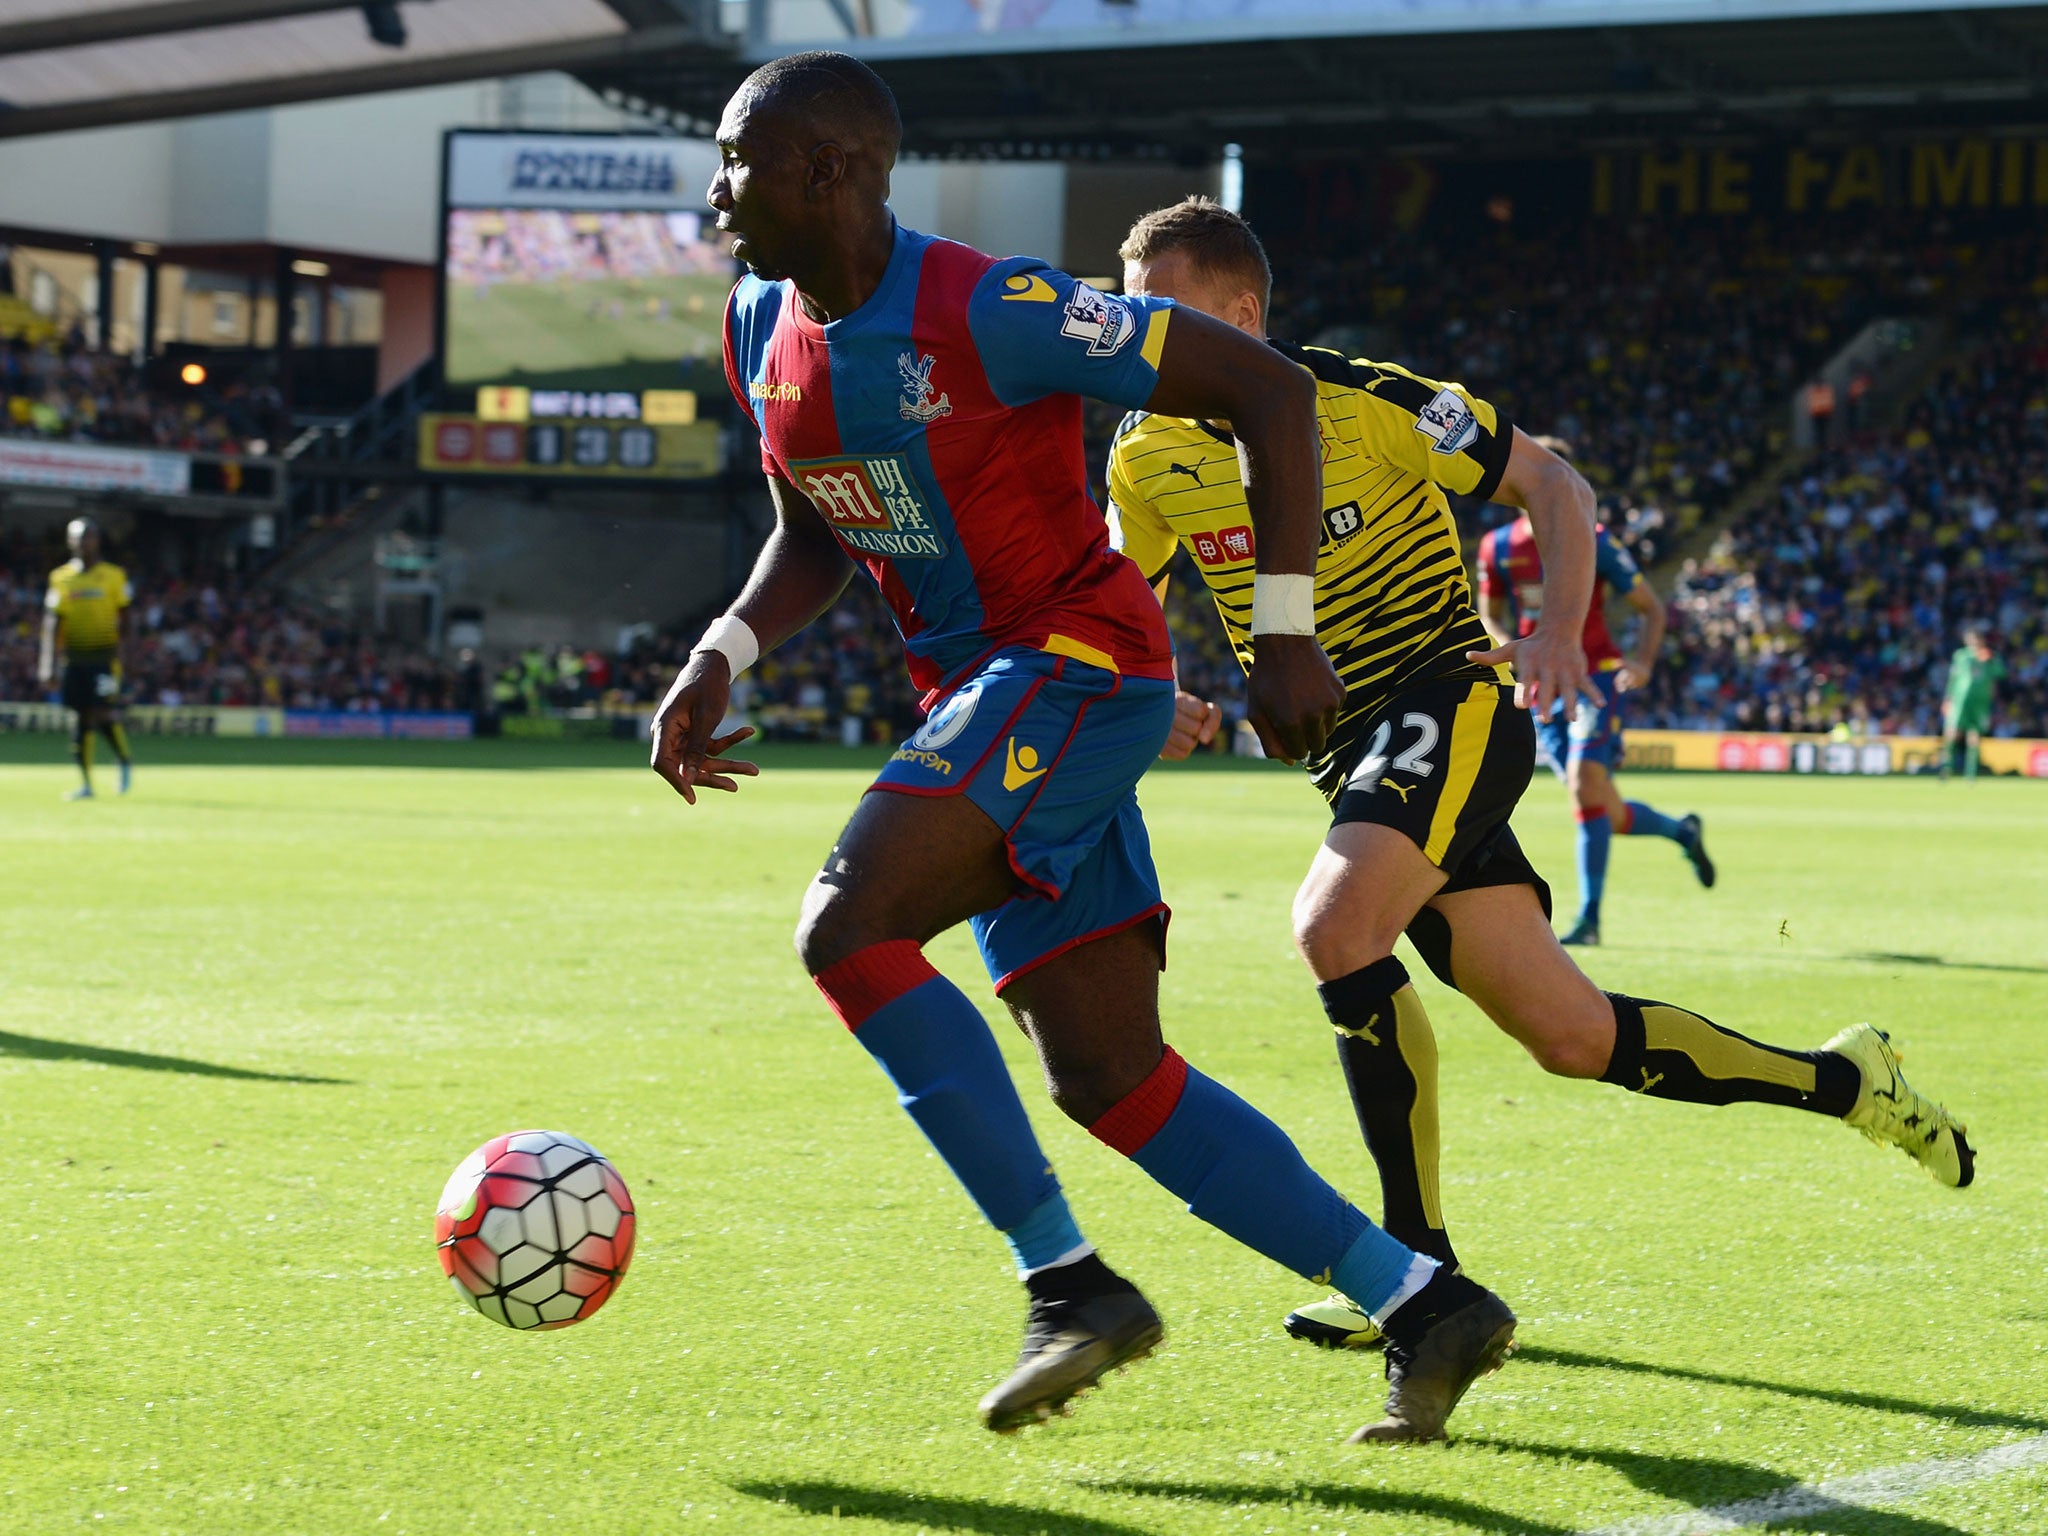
(1362, 1031)
(1020, 766)
(1649, 1082)
(1194, 474)
(1403, 790)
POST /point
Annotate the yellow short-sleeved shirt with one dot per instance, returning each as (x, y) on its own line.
(88, 601)
(1393, 604)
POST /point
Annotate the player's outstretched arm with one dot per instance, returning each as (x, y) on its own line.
(46, 656)
(121, 648)
(1496, 616)
(1550, 664)
(1195, 719)
(1215, 371)
(1636, 670)
(800, 571)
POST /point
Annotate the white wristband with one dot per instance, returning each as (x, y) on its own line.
(733, 639)
(1283, 605)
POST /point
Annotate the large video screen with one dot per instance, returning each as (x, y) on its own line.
(559, 298)
(580, 262)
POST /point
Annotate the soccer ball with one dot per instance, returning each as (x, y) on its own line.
(535, 1229)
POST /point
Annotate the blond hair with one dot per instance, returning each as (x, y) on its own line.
(1218, 243)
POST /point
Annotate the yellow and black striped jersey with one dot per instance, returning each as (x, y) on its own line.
(1393, 605)
(88, 600)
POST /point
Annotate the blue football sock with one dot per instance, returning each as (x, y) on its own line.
(1238, 1171)
(1049, 1235)
(1596, 834)
(1644, 822)
(937, 1049)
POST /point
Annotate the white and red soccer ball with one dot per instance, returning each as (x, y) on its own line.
(535, 1229)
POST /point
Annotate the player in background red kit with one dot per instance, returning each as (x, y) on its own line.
(1586, 752)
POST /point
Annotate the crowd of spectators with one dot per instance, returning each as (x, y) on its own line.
(843, 678)
(538, 245)
(1665, 354)
(209, 639)
(840, 679)
(67, 392)
(1838, 604)
(1665, 351)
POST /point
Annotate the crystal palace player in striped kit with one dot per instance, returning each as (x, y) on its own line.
(1586, 751)
(920, 418)
(1430, 754)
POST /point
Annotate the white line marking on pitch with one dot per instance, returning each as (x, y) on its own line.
(1862, 1490)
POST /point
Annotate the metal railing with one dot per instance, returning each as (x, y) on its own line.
(380, 433)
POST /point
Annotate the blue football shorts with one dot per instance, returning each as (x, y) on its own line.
(1594, 737)
(1052, 749)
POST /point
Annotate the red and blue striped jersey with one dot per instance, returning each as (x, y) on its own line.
(1509, 566)
(937, 429)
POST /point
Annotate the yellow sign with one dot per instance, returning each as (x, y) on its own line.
(504, 402)
(668, 407)
(1976, 172)
(155, 719)
(1767, 752)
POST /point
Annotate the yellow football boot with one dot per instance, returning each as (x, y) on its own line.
(1889, 1110)
(1335, 1323)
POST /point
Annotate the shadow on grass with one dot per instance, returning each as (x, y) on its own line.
(1974, 1418)
(1337, 1497)
(1706, 1484)
(1884, 957)
(834, 1500)
(68, 1050)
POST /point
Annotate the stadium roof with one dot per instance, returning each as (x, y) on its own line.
(85, 63)
(1317, 81)
(1304, 74)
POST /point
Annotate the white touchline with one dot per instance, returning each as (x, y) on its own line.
(1861, 1490)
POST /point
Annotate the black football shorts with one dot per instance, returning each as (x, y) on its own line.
(1444, 763)
(90, 685)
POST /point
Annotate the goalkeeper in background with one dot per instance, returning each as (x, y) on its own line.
(85, 615)
(1973, 672)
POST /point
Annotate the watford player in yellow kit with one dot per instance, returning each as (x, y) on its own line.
(85, 615)
(1431, 750)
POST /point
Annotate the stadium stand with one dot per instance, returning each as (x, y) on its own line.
(1840, 602)
(1670, 367)
(1664, 352)
(65, 391)
(213, 639)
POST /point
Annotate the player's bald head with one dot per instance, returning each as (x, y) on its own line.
(821, 97)
(805, 147)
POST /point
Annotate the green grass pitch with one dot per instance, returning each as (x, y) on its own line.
(257, 1011)
(589, 335)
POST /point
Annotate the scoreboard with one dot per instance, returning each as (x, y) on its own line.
(581, 303)
(452, 443)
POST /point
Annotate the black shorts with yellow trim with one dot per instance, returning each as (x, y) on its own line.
(1443, 763)
(91, 682)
